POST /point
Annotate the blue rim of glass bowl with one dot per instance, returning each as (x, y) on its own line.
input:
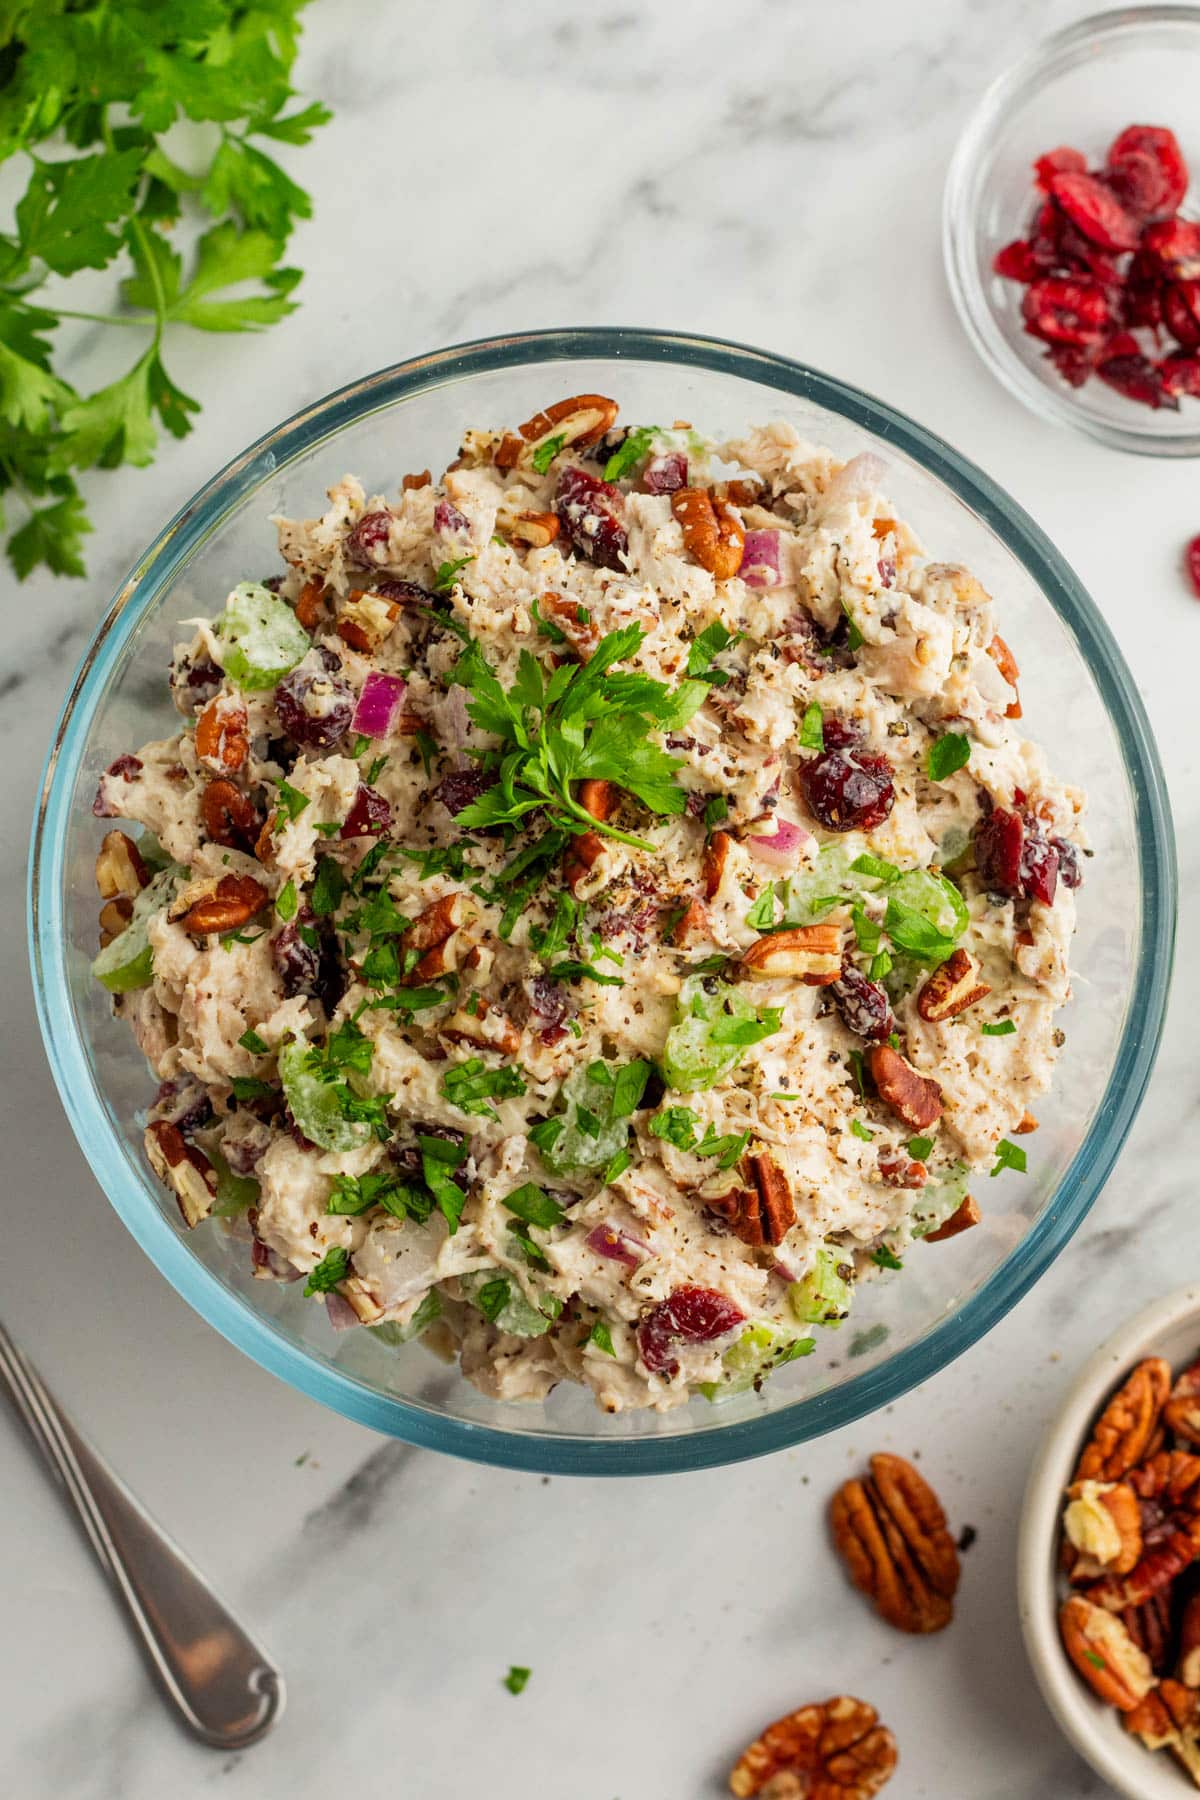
(707, 1446)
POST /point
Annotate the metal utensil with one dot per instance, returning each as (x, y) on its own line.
(225, 1689)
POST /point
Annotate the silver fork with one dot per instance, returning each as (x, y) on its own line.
(224, 1688)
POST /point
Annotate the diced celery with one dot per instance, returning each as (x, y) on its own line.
(824, 1295)
(235, 1193)
(128, 962)
(763, 1347)
(499, 1297)
(316, 1104)
(714, 1025)
(593, 1143)
(392, 1332)
(258, 637)
(939, 1200)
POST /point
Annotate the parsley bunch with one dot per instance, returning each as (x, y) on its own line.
(584, 722)
(88, 90)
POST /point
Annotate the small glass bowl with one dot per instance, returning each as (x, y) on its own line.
(1080, 87)
(1081, 705)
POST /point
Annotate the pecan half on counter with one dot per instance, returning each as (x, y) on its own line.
(891, 1533)
(835, 1750)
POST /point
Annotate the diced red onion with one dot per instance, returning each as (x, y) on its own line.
(780, 842)
(760, 559)
(379, 704)
(861, 476)
(340, 1313)
(618, 1246)
(458, 723)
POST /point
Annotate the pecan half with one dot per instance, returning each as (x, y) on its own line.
(229, 816)
(232, 903)
(120, 870)
(1149, 1625)
(1181, 1414)
(366, 620)
(1104, 1653)
(439, 921)
(951, 988)
(1168, 1485)
(222, 743)
(1006, 662)
(713, 534)
(578, 421)
(534, 528)
(808, 953)
(1124, 1429)
(891, 1532)
(835, 1750)
(755, 1202)
(310, 600)
(713, 862)
(1189, 1642)
(1103, 1521)
(916, 1099)
(693, 925)
(962, 1219)
(186, 1170)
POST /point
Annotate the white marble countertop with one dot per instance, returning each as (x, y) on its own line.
(757, 172)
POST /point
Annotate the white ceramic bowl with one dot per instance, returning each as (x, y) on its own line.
(1169, 1328)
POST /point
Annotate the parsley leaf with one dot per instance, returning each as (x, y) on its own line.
(530, 1203)
(333, 1267)
(601, 1336)
(290, 803)
(884, 1258)
(1009, 1156)
(443, 581)
(516, 1678)
(948, 753)
(1001, 1028)
(328, 888)
(470, 1084)
(249, 1087)
(762, 914)
(287, 901)
(545, 453)
(439, 1157)
(251, 1041)
(812, 730)
(919, 1148)
(704, 649)
(630, 452)
(861, 1131)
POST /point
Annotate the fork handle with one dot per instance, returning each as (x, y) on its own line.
(225, 1689)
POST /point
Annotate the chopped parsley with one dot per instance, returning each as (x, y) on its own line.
(333, 1267)
(948, 753)
(546, 452)
(516, 1678)
(716, 811)
(249, 1087)
(546, 627)
(290, 803)
(854, 637)
(678, 1125)
(251, 1041)
(860, 1131)
(881, 965)
(449, 861)
(444, 580)
(469, 1086)
(635, 446)
(705, 648)
(884, 1258)
(354, 1194)
(362, 742)
(1009, 1156)
(534, 1206)
(601, 1336)
(1002, 1028)
(762, 914)
(919, 1148)
(875, 867)
(439, 1156)
(812, 729)
(287, 901)
(617, 1166)
(328, 888)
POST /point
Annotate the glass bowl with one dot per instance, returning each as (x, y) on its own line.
(1080, 87)
(1080, 701)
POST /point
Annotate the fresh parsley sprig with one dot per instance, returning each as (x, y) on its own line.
(105, 83)
(585, 721)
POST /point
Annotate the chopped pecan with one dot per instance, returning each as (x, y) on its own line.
(578, 421)
(836, 1750)
(713, 534)
(507, 452)
(755, 1202)
(1006, 662)
(1151, 1721)
(1181, 1414)
(221, 740)
(1124, 1429)
(742, 491)
(186, 1170)
(808, 953)
(119, 867)
(599, 799)
(486, 1027)
(692, 926)
(1025, 1124)
(409, 482)
(1149, 1625)
(713, 861)
(366, 620)
(891, 1532)
(961, 1219)
(534, 528)
(229, 816)
(1189, 1642)
(952, 987)
(309, 601)
(916, 1099)
(899, 1170)
(361, 1301)
(439, 921)
(1104, 1523)
(115, 915)
(1104, 1653)
(573, 620)
(232, 903)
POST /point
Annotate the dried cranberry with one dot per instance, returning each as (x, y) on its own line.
(693, 1315)
(298, 962)
(369, 814)
(587, 509)
(665, 474)
(314, 709)
(1181, 374)
(1095, 210)
(272, 583)
(1074, 362)
(1192, 558)
(1159, 146)
(367, 542)
(406, 592)
(461, 786)
(184, 1103)
(1039, 869)
(195, 682)
(332, 980)
(125, 768)
(848, 790)
(1141, 296)
(837, 733)
(1066, 312)
(1181, 312)
(549, 1006)
(998, 843)
(1069, 871)
(1175, 247)
(1135, 376)
(1138, 183)
(863, 1004)
(1062, 161)
(1017, 262)
(447, 518)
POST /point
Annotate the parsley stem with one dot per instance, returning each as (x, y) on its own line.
(67, 312)
(606, 830)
